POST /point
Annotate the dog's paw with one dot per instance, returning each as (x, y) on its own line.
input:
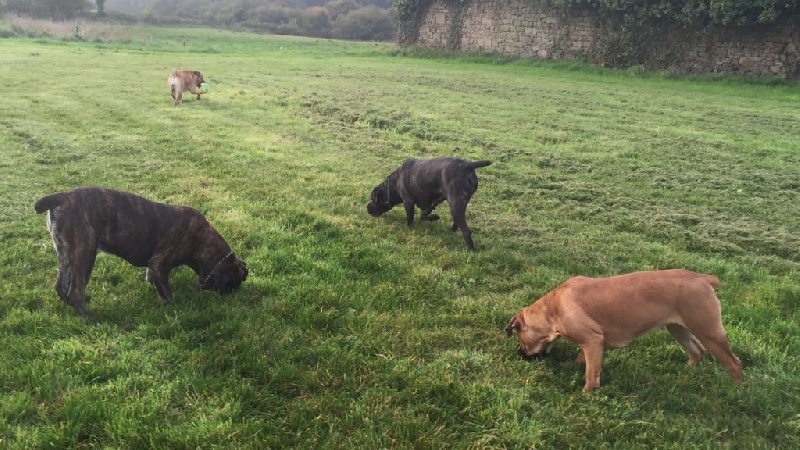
(431, 217)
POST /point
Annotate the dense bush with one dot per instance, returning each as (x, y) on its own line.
(637, 27)
(707, 12)
(53, 9)
(638, 12)
(344, 19)
(338, 8)
(365, 24)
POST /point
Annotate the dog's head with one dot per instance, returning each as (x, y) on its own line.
(198, 78)
(382, 199)
(226, 276)
(535, 333)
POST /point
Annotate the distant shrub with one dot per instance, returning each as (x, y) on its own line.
(365, 24)
(291, 27)
(273, 14)
(74, 30)
(315, 22)
(338, 8)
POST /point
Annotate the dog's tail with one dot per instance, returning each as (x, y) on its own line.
(476, 164)
(49, 202)
(712, 280)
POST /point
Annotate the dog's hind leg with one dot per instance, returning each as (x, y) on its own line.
(173, 92)
(80, 257)
(689, 342)
(716, 342)
(458, 209)
(706, 325)
(64, 270)
(175, 89)
(64, 277)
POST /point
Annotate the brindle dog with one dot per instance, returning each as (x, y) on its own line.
(144, 233)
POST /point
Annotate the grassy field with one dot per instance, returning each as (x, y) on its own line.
(356, 332)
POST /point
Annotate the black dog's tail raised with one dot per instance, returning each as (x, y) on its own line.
(476, 164)
(47, 203)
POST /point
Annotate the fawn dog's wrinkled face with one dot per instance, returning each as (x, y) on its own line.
(535, 335)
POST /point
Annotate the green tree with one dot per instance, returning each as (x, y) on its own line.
(369, 23)
(337, 8)
(53, 9)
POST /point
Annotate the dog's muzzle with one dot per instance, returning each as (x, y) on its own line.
(533, 357)
(540, 352)
(373, 210)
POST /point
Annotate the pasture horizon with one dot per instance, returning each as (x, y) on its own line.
(356, 332)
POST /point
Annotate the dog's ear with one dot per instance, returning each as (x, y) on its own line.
(243, 271)
(514, 324)
(376, 193)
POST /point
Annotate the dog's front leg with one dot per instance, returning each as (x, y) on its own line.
(159, 276)
(593, 356)
(427, 214)
(409, 206)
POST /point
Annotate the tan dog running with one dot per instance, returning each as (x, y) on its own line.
(601, 313)
(181, 81)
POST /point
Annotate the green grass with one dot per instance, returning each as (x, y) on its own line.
(355, 332)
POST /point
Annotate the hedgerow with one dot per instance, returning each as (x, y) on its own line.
(698, 13)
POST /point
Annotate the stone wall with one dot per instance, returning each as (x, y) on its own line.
(519, 28)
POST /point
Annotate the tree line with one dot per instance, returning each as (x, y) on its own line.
(341, 19)
(52, 9)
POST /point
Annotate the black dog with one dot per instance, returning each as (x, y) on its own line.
(144, 233)
(426, 183)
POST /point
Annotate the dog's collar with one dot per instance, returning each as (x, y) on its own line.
(205, 283)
